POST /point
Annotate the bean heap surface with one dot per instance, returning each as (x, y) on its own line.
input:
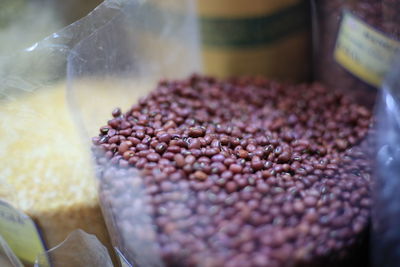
(238, 172)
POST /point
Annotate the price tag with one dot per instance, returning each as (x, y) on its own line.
(364, 51)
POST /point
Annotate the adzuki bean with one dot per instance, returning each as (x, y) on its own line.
(238, 172)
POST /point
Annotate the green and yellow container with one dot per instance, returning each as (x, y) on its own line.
(258, 37)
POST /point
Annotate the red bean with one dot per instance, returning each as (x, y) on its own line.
(196, 132)
(164, 137)
(180, 160)
(116, 112)
(235, 168)
(255, 171)
(200, 175)
(231, 187)
(124, 146)
(243, 154)
(154, 157)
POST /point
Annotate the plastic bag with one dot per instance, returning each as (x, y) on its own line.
(21, 16)
(124, 194)
(123, 60)
(78, 249)
(386, 208)
(46, 170)
(354, 43)
(147, 41)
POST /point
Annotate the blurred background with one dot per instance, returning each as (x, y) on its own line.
(265, 37)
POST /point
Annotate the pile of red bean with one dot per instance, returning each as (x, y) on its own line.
(379, 14)
(238, 172)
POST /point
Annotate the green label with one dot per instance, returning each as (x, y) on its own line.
(255, 30)
(20, 233)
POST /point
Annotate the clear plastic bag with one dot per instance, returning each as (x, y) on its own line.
(78, 249)
(46, 171)
(121, 44)
(148, 40)
(122, 61)
(20, 25)
(386, 209)
(127, 57)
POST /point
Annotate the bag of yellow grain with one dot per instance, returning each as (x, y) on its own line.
(258, 37)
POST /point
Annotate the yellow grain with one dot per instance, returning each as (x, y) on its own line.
(46, 169)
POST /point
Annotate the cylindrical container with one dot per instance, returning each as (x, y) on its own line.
(72, 10)
(354, 43)
(268, 38)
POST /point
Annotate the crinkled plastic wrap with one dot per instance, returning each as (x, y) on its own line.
(79, 249)
(46, 169)
(20, 16)
(386, 208)
(147, 41)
